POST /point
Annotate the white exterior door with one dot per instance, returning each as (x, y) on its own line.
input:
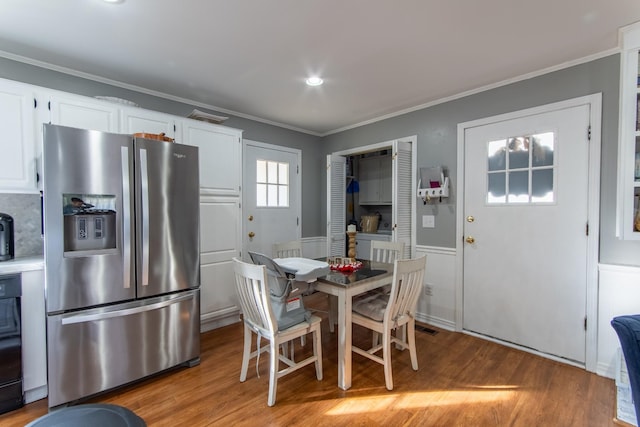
(526, 210)
(271, 196)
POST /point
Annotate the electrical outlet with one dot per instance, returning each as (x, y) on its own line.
(428, 290)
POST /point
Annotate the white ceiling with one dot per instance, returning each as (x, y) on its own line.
(377, 57)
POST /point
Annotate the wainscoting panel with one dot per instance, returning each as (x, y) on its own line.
(618, 294)
(437, 304)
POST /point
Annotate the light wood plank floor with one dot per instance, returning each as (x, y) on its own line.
(462, 381)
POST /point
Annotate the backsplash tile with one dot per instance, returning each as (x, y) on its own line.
(25, 210)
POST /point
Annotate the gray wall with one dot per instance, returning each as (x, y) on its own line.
(436, 128)
(257, 131)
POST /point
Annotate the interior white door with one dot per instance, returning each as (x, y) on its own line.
(525, 228)
(403, 196)
(336, 205)
(271, 196)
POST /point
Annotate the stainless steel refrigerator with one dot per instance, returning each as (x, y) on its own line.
(122, 262)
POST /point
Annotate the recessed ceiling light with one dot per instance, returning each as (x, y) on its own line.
(314, 81)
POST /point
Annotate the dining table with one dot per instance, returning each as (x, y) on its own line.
(345, 285)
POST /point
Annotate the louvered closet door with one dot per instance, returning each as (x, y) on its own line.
(336, 205)
(402, 195)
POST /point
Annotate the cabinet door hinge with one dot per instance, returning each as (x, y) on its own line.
(297, 169)
(49, 105)
(585, 323)
(35, 103)
(298, 221)
(589, 133)
(587, 229)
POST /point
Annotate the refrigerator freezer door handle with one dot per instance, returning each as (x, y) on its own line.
(91, 317)
(126, 218)
(144, 177)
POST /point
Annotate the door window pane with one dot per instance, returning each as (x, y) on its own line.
(497, 188)
(542, 149)
(518, 187)
(542, 185)
(272, 184)
(519, 152)
(497, 155)
(520, 169)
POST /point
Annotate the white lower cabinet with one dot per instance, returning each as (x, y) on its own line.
(219, 243)
(34, 343)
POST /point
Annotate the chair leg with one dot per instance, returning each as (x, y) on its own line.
(246, 354)
(410, 330)
(386, 357)
(317, 352)
(273, 371)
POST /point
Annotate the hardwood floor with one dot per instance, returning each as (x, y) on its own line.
(462, 381)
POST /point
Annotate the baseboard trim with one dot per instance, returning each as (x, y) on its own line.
(437, 322)
(218, 319)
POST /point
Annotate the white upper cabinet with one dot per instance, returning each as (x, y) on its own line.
(138, 120)
(220, 153)
(375, 180)
(83, 113)
(17, 144)
(629, 134)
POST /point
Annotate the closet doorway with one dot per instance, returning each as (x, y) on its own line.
(342, 203)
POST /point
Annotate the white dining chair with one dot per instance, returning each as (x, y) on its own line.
(253, 294)
(388, 252)
(384, 313)
(289, 249)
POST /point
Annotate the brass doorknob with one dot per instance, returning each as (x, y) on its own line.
(470, 218)
(470, 239)
(250, 218)
(251, 234)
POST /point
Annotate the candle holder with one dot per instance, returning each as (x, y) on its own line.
(352, 244)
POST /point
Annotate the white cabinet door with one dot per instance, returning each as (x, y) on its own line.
(135, 120)
(17, 145)
(385, 182)
(368, 177)
(34, 344)
(375, 180)
(219, 243)
(83, 113)
(220, 153)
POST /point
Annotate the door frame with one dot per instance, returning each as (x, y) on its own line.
(593, 239)
(413, 140)
(298, 205)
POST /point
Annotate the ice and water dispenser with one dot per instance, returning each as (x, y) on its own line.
(89, 222)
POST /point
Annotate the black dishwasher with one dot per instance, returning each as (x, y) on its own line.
(11, 396)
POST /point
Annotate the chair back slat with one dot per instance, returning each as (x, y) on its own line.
(292, 249)
(407, 282)
(386, 251)
(253, 296)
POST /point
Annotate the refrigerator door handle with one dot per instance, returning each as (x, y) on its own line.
(144, 184)
(126, 218)
(91, 317)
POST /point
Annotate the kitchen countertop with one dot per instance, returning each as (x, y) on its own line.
(18, 265)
